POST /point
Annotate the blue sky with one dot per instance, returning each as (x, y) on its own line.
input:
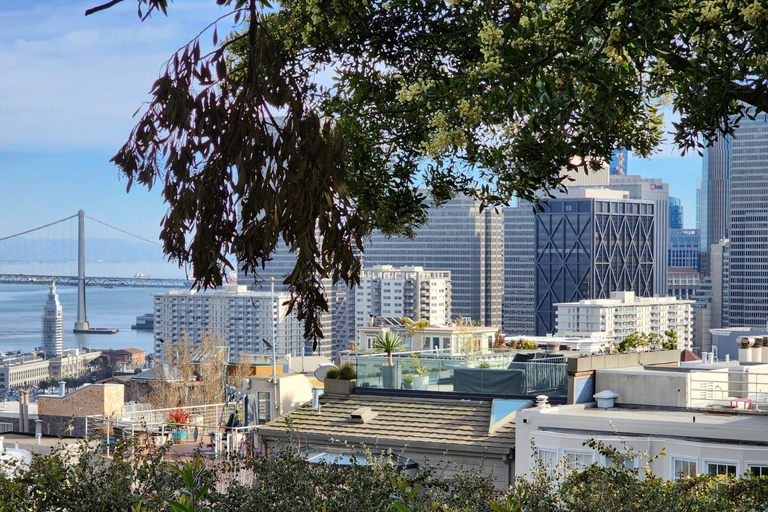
(70, 86)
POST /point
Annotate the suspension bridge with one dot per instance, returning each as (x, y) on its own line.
(81, 280)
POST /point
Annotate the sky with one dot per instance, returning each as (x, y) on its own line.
(70, 86)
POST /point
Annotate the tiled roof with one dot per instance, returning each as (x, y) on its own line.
(400, 420)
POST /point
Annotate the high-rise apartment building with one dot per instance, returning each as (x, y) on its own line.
(406, 292)
(684, 248)
(589, 244)
(519, 307)
(462, 240)
(623, 314)
(53, 324)
(281, 266)
(675, 213)
(233, 316)
(654, 190)
(746, 172)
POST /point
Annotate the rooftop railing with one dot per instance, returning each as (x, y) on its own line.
(498, 373)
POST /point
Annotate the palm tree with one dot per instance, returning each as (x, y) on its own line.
(391, 342)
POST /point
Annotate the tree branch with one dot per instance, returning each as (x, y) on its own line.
(102, 7)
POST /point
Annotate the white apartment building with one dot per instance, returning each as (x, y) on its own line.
(232, 316)
(405, 292)
(623, 314)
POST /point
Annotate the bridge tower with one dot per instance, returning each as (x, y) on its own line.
(82, 323)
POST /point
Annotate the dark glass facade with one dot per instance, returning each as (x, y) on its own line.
(587, 248)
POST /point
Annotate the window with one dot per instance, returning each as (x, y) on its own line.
(609, 462)
(547, 457)
(576, 461)
(722, 468)
(757, 470)
(683, 468)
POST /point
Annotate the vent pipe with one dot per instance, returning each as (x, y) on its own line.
(316, 398)
(542, 402)
(605, 399)
(2, 447)
(62, 388)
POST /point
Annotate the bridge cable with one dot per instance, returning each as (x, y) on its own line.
(123, 231)
(38, 228)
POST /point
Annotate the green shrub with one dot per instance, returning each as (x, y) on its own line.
(347, 372)
(333, 373)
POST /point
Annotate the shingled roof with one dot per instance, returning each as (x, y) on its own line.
(399, 421)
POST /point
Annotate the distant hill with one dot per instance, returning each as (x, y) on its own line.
(58, 250)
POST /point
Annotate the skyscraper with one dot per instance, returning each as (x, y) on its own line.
(675, 213)
(53, 324)
(460, 239)
(745, 174)
(658, 191)
(715, 176)
(589, 244)
(519, 307)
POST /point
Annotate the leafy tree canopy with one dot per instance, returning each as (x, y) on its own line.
(492, 98)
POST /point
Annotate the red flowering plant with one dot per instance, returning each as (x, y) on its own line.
(178, 417)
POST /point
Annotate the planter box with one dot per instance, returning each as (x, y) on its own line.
(392, 376)
(339, 386)
(599, 362)
(420, 382)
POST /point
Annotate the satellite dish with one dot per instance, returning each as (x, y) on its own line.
(322, 370)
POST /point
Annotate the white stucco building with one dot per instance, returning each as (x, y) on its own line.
(233, 316)
(404, 292)
(623, 314)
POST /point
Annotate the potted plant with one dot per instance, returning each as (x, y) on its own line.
(178, 419)
(340, 381)
(408, 381)
(388, 344)
(421, 379)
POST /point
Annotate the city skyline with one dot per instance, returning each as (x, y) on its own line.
(77, 82)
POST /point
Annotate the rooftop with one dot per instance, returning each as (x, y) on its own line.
(403, 421)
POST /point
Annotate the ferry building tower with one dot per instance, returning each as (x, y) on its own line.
(53, 324)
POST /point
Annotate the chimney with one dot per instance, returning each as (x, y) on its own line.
(2, 447)
(62, 388)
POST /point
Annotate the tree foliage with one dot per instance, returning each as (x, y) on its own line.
(85, 481)
(490, 98)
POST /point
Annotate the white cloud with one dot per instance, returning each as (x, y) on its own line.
(73, 82)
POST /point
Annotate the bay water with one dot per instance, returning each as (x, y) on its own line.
(21, 310)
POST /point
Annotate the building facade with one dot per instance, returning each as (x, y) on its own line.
(715, 192)
(519, 306)
(655, 190)
(721, 290)
(675, 213)
(462, 240)
(232, 316)
(684, 248)
(624, 314)
(748, 222)
(589, 244)
(53, 324)
(682, 283)
(405, 292)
